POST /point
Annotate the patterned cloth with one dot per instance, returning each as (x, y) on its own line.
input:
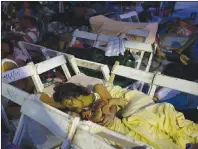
(32, 35)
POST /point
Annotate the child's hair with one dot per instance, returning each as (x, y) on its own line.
(68, 91)
(9, 43)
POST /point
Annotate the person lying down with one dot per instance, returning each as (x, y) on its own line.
(129, 112)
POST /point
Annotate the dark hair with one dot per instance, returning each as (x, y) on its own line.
(9, 43)
(68, 91)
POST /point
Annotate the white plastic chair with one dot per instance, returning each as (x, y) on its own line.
(130, 45)
(32, 71)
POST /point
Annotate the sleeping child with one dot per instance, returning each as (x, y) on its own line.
(129, 112)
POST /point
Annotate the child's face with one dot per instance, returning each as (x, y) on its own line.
(78, 103)
(74, 104)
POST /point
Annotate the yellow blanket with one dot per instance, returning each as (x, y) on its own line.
(158, 125)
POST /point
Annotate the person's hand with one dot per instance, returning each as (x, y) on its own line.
(107, 120)
(184, 59)
(106, 109)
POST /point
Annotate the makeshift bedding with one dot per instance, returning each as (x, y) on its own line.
(158, 125)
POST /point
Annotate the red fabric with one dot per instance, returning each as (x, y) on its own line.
(27, 12)
(78, 44)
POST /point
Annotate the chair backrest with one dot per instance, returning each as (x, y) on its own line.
(34, 71)
(101, 39)
(129, 16)
(131, 46)
(154, 80)
(18, 73)
(49, 65)
(105, 134)
(74, 62)
(83, 35)
(14, 94)
(173, 83)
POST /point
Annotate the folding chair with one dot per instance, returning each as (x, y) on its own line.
(83, 35)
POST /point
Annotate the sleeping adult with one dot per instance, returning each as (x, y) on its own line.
(129, 112)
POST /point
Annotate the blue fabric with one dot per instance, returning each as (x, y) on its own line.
(21, 13)
(183, 101)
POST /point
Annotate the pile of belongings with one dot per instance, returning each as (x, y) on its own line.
(175, 39)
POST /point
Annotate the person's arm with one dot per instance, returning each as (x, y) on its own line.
(102, 91)
(50, 101)
(114, 102)
(14, 36)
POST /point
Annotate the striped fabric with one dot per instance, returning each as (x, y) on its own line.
(32, 35)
